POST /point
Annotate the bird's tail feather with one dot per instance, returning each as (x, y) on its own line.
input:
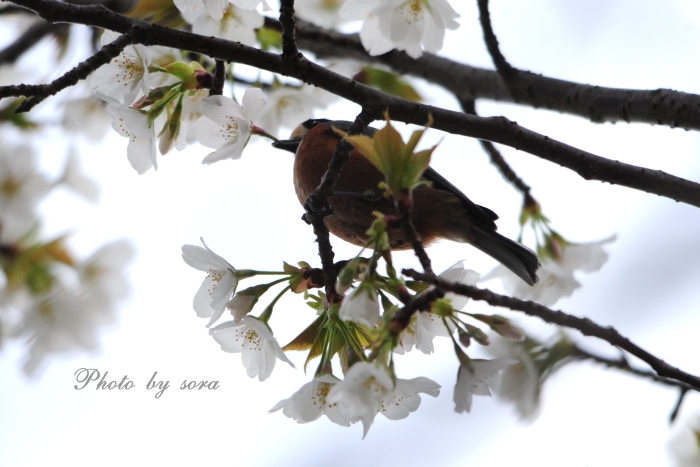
(516, 257)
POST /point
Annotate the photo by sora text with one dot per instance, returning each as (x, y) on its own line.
(84, 376)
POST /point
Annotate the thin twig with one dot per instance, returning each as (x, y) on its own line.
(623, 364)
(583, 325)
(40, 92)
(404, 207)
(677, 406)
(505, 69)
(217, 88)
(29, 39)
(498, 160)
(317, 205)
(289, 43)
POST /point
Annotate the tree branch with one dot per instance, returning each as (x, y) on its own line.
(623, 365)
(496, 129)
(40, 92)
(596, 103)
(583, 325)
(217, 88)
(498, 160)
(29, 39)
(289, 43)
(505, 69)
(317, 205)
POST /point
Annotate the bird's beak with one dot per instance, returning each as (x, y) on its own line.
(290, 145)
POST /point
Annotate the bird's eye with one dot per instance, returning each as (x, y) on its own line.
(300, 131)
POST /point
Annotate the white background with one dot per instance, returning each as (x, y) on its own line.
(247, 212)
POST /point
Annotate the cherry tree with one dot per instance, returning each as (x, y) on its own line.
(219, 79)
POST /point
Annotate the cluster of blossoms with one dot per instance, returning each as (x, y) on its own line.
(369, 386)
(364, 329)
(155, 100)
(49, 299)
(408, 25)
(560, 260)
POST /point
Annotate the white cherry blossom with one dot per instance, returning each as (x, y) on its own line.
(253, 340)
(60, 323)
(410, 25)
(227, 126)
(287, 104)
(102, 274)
(360, 305)
(426, 326)
(479, 378)
(684, 442)
(219, 284)
(22, 187)
(236, 24)
(126, 75)
(311, 401)
(368, 390)
(132, 124)
(557, 278)
(325, 13)
(520, 382)
(86, 116)
(405, 397)
(75, 178)
(216, 8)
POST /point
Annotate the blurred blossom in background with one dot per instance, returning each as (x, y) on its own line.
(107, 288)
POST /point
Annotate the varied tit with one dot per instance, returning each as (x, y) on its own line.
(440, 210)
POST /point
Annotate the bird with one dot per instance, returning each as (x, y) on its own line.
(440, 210)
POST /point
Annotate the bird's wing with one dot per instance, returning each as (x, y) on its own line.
(483, 215)
(478, 213)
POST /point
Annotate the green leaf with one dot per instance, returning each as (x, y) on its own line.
(388, 82)
(269, 38)
(308, 336)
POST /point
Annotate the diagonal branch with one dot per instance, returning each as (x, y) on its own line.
(583, 325)
(496, 129)
(596, 103)
(623, 365)
(498, 160)
(29, 39)
(39, 92)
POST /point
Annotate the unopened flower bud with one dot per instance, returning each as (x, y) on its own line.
(464, 338)
(478, 335)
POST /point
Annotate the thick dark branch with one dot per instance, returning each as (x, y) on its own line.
(217, 88)
(289, 43)
(583, 325)
(496, 129)
(596, 103)
(26, 41)
(498, 160)
(502, 66)
(317, 205)
(80, 72)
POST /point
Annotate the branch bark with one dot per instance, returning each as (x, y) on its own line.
(584, 325)
(496, 129)
(598, 104)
